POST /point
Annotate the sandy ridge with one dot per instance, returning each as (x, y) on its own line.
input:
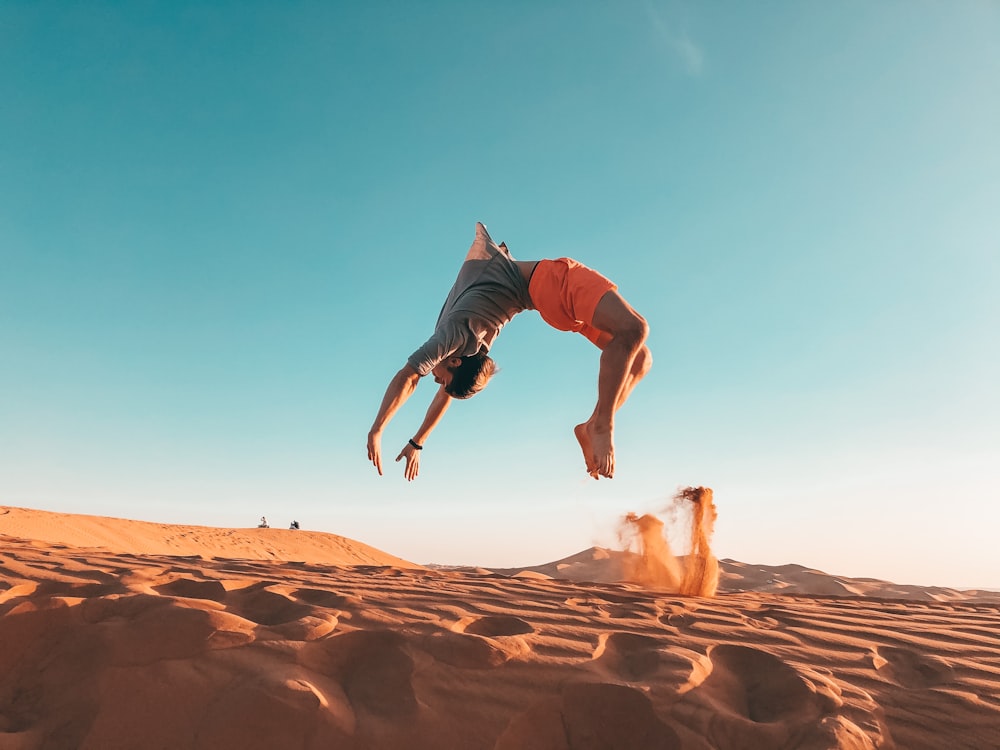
(105, 649)
(606, 565)
(143, 537)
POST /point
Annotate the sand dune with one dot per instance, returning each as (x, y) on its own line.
(609, 566)
(109, 640)
(141, 537)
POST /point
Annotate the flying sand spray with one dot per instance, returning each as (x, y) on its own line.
(654, 564)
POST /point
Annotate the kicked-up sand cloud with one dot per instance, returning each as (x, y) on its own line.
(655, 564)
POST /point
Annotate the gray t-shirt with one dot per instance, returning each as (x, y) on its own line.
(488, 292)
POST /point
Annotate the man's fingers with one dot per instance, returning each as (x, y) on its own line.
(412, 464)
(375, 453)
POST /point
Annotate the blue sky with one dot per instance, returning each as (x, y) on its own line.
(223, 228)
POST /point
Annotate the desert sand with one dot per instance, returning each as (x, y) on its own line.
(121, 634)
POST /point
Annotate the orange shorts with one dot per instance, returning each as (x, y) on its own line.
(566, 292)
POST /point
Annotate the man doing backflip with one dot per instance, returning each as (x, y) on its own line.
(492, 288)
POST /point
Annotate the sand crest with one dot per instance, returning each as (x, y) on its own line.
(142, 537)
(113, 642)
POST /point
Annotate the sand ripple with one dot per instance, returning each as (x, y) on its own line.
(108, 649)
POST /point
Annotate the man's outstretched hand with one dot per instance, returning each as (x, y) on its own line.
(412, 456)
(375, 450)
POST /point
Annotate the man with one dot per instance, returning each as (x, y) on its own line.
(491, 289)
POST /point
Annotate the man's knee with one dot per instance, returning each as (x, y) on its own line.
(633, 331)
(616, 317)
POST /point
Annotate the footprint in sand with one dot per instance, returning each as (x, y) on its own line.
(307, 628)
(634, 610)
(591, 715)
(760, 686)
(143, 629)
(271, 710)
(479, 642)
(328, 599)
(634, 657)
(81, 590)
(496, 625)
(753, 698)
(190, 588)
(780, 616)
(467, 651)
(373, 667)
(910, 669)
(589, 607)
(679, 620)
(266, 607)
(629, 655)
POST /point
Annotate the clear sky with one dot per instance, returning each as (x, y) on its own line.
(224, 226)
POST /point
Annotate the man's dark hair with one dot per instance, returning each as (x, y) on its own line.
(471, 376)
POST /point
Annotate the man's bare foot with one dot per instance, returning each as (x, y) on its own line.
(588, 452)
(602, 449)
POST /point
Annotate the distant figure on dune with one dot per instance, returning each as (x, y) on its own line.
(263, 523)
(294, 526)
(491, 289)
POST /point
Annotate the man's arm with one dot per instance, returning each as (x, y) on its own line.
(434, 413)
(400, 388)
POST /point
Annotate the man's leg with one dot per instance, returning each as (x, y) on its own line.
(625, 360)
(640, 366)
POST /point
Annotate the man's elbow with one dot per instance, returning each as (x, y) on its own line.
(407, 378)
